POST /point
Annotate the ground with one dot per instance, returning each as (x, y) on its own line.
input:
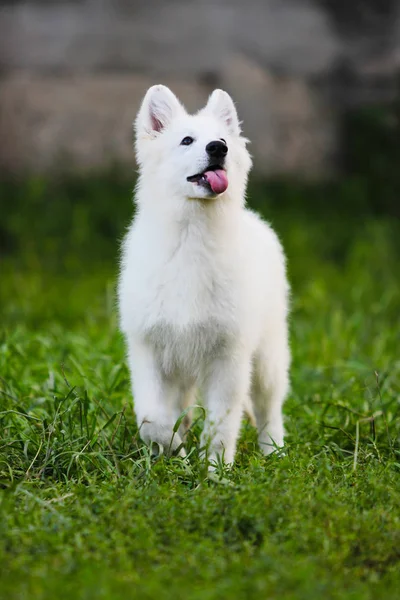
(85, 511)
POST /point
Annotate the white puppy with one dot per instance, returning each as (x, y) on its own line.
(203, 294)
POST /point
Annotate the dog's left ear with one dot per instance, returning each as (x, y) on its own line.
(221, 105)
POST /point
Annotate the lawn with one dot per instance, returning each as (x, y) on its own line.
(85, 512)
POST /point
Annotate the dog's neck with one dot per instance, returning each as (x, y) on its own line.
(212, 215)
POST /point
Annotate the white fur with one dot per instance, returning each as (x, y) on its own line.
(203, 295)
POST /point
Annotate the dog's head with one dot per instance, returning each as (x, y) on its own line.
(197, 156)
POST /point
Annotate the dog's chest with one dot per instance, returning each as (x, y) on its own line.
(192, 284)
(190, 308)
(189, 319)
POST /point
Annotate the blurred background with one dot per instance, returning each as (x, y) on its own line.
(316, 83)
(74, 72)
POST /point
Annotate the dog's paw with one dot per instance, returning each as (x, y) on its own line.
(271, 444)
(161, 439)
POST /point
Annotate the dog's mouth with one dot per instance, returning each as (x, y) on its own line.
(213, 177)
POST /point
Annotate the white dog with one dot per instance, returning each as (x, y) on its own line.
(203, 294)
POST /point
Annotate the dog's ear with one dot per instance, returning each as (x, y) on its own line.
(158, 108)
(221, 105)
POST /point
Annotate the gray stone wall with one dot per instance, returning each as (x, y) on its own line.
(73, 73)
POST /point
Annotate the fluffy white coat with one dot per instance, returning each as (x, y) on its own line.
(203, 295)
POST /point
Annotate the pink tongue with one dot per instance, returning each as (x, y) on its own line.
(217, 180)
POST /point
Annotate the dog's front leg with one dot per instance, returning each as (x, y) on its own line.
(226, 389)
(151, 393)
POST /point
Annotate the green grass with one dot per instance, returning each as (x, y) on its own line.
(85, 512)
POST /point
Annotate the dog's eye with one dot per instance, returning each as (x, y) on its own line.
(187, 141)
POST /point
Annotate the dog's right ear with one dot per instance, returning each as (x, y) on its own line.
(159, 107)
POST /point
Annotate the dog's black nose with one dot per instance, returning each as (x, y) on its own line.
(217, 149)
